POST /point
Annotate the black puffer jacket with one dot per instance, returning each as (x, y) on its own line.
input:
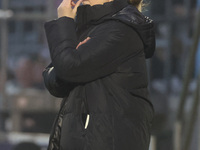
(103, 80)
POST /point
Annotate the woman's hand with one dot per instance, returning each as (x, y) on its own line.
(83, 42)
(68, 8)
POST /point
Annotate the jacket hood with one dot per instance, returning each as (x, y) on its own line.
(143, 25)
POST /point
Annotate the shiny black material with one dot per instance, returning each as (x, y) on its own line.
(105, 78)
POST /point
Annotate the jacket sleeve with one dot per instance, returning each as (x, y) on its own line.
(110, 45)
(54, 85)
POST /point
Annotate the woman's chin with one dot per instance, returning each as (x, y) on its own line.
(85, 2)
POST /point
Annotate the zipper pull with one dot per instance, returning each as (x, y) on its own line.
(87, 121)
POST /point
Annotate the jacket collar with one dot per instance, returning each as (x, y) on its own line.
(87, 14)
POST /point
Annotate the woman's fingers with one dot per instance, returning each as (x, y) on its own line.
(83, 42)
(67, 2)
(72, 3)
(77, 4)
(68, 8)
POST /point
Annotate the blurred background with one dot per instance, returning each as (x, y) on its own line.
(27, 110)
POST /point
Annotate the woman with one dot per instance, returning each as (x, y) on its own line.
(98, 67)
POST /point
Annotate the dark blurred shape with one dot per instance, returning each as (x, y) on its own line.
(37, 122)
(28, 72)
(24, 72)
(27, 146)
